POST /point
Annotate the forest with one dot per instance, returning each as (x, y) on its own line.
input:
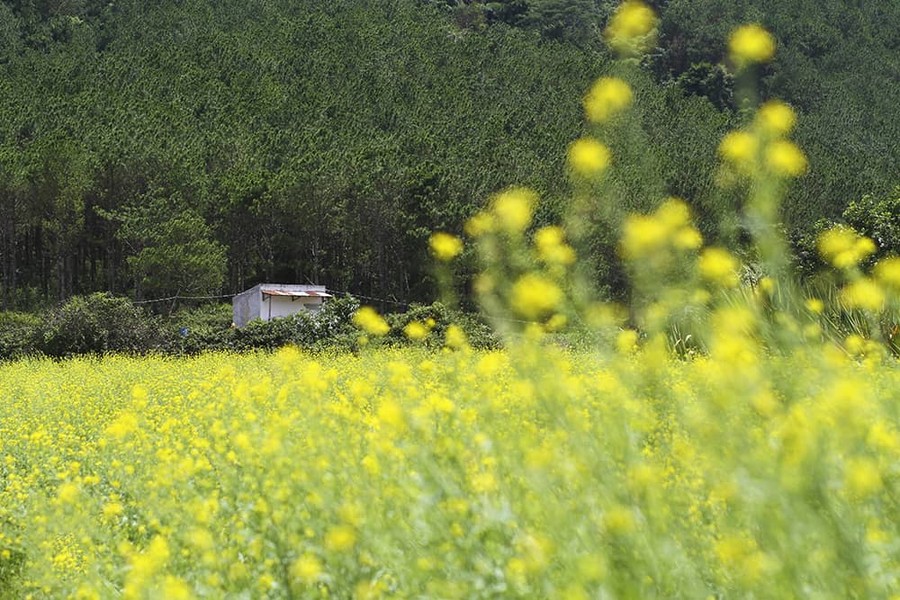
(191, 148)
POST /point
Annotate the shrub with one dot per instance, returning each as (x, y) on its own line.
(204, 328)
(18, 335)
(436, 318)
(877, 218)
(98, 324)
(328, 328)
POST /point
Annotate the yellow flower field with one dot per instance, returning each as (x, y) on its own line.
(532, 472)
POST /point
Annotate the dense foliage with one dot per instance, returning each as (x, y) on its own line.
(163, 148)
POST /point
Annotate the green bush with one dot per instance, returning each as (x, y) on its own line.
(877, 218)
(99, 324)
(268, 335)
(102, 323)
(204, 328)
(328, 328)
(18, 335)
(437, 317)
(873, 217)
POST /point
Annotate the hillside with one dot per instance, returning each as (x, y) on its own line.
(153, 148)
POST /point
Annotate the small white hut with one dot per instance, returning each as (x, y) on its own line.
(268, 301)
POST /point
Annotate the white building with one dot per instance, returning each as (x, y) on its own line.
(268, 301)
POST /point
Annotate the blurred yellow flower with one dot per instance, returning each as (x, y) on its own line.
(844, 248)
(534, 296)
(606, 98)
(368, 319)
(627, 341)
(674, 213)
(551, 246)
(480, 224)
(776, 117)
(862, 477)
(67, 493)
(642, 235)
(307, 568)
(174, 588)
(815, 305)
(340, 538)
(718, 266)
(687, 238)
(739, 148)
(887, 272)
(391, 414)
(556, 323)
(863, 293)
(751, 44)
(112, 509)
(455, 337)
(619, 520)
(629, 29)
(125, 424)
(444, 246)
(513, 209)
(588, 157)
(786, 159)
(415, 331)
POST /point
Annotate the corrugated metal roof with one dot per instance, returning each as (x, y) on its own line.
(295, 293)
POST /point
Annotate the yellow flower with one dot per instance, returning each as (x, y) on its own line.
(368, 319)
(776, 117)
(687, 238)
(608, 97)
(719, 266)
(855, 344)
(534, 296)
(814, 305)
(174, 588)
(627, 341)
(391, 415)
(588, 157)
(551, 247)
(862, 477)
(630, 27)
(844, 248)
(415, 331)
(642, 235)
(67, 493)
(112, 509)
(513, 207)
(619, 520)
(556, 323)
(592, 567)
(125, 424)
(340, 538)
(307, 568)
(455, 337)
(444, 246)
(739, 148)
(751, 44)
(785, 158)
(863, 293)
(887, 272)
(674, 213)
(480, 224)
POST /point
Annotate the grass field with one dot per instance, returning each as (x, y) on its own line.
(531, 472)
